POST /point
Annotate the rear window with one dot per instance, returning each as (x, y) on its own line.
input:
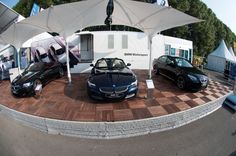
(35, 67)
(60, 51)
(183, 63)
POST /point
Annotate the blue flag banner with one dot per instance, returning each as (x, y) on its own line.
(35, 9)
(162, 2)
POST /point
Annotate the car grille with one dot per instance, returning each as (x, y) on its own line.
(121, 89)
(110, 90)
(106, 90)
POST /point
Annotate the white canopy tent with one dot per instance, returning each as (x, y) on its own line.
(7, 17)
(67, 18)
(231, 51)
(217, 59)
(19, 32)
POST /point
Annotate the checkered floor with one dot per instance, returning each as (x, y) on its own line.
(70, 102)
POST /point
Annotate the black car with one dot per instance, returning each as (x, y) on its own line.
(35, 74)
(181, 71)
(110, 78)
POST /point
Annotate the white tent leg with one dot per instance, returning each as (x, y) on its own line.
(150, 57)
(68, 63)
(18, 60)
(17, 51)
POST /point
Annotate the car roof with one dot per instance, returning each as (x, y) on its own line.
(174, 56)
(44, 63)
(110, 58)
(38, 63)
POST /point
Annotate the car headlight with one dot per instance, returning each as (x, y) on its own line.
(135, 83)
(27, 84)
(193, 78)
(91, 84)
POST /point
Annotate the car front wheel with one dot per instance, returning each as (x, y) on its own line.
(181, 82)
(37, 82)
(155, 70)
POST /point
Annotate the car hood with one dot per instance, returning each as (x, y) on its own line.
(192, 71)
(25, 77)
(114, 78)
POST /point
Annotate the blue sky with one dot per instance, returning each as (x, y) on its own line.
(224, 10)
(9, 3)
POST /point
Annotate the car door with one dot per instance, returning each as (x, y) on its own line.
(161, 63)
(170, 67)
(50, 71)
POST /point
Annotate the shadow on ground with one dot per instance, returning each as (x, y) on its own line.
(233, 154)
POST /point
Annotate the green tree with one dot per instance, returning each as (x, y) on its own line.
(205, 35)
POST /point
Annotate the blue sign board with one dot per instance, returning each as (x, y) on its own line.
(35, 9)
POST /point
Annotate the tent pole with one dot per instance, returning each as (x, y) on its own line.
(68, 62)
(18, 60)
(17, 51)
(150, 57)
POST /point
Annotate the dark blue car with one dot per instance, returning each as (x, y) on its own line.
(111, 79)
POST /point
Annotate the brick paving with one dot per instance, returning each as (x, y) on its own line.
(70, 102)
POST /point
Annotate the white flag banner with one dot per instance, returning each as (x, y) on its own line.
(162, 2)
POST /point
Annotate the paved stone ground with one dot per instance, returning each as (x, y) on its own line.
(70, 102)
(219, 77)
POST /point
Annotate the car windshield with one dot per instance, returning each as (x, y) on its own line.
(60, 51)
(42, 56)
(110, 64)
(183, 63)
(35, 67)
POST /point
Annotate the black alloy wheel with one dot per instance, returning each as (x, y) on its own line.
(36, 83)
(181, 82)
(155, 70)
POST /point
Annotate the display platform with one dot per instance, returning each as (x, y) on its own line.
(71, 102)
(66, 109)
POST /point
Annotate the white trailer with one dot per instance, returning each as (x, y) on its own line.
(132, 47)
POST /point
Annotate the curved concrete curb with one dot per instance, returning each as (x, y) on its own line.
(112, 130)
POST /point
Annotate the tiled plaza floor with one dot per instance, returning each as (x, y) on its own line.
(70, 102)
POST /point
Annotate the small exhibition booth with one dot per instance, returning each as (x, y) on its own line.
(220, 58)
(132, 47)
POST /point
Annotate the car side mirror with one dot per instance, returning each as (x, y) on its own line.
(128, 64)
(91, 65)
